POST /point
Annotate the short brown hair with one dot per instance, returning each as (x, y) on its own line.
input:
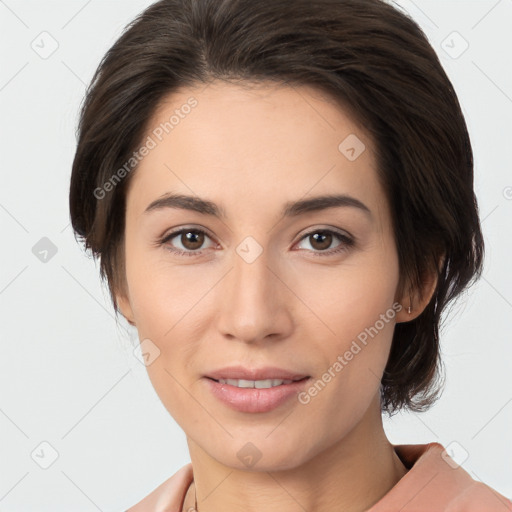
(367, 55)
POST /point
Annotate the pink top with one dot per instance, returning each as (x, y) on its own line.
(433, 483)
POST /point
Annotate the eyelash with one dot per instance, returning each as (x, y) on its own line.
(346, 242)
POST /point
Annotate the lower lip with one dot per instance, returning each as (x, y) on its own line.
(254, 399)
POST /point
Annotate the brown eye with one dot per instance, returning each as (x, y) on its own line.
(192, 240)
(325, 242)
(321, 240)
(187, 241)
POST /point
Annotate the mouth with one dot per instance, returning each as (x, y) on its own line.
(256, 396)
(258, 384)
(255, 377)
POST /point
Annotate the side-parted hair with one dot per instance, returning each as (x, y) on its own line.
(365, 54)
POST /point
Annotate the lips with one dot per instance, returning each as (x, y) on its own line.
(254, 400)
(269, 372)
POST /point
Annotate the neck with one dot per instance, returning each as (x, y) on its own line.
(350, 475)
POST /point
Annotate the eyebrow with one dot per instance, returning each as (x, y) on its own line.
(290, 209)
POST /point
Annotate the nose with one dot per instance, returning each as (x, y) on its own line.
(254, 302)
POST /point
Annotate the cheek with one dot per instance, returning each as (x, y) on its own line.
(168, 304)
(162, 294)
(350, 299)
(355, 306)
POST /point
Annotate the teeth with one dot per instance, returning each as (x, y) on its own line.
(260, 384)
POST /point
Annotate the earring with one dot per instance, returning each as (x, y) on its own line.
(409, 309)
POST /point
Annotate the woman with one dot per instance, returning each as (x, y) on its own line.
(281, 196)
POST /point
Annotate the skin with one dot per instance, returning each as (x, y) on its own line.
(294, 306)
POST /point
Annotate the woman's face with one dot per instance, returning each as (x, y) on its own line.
(255, 281)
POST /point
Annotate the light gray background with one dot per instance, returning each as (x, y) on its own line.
(68, 373)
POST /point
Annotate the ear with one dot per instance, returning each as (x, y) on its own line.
(119, 285)
(124, 306)
(418, 299)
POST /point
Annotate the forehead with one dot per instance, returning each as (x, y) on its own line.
(251, 140)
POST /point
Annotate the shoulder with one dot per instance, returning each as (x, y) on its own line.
(435, 482)
(167, 496)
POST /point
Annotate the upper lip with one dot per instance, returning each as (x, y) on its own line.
(268, 372)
